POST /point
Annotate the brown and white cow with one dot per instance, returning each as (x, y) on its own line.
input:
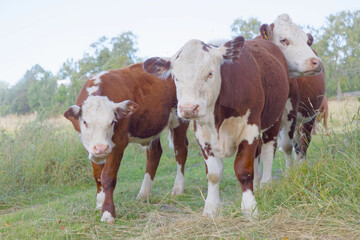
(307, 86)
(124, 106)
(234, 93)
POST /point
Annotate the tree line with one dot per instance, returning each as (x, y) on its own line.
(41, 91)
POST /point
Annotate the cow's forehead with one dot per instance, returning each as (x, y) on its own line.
(286, 28)
(193, 54)
(98, 106)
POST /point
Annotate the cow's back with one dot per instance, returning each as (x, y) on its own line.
(154, 96)
(241, 89)
(275, 78)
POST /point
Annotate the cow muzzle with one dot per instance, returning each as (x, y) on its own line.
(189, 111)
(315, 66)
(101, 150)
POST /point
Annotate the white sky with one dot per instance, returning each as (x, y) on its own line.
(47, 32)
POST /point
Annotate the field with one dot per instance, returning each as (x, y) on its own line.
(48, 192)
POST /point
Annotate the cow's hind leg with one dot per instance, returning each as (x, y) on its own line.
(268, 149)
(286, 136)
(100, 195)
(302, 146)
(180, 143)
(244, 170)
(153, 154)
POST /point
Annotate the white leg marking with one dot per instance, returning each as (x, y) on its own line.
(267, 157)
(146, 186)
(100, 198)
(248, 203)
(170, 140)
(285, 143)
(257, 173)
(179, 184)
(106, 217)
(215, 169)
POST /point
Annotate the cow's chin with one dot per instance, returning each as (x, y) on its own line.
(296, 74)
(98, 159)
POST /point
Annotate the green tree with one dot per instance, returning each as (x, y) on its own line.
(4, 92)
(339, 49)
(247, 28)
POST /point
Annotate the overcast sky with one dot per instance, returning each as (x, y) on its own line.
(47, 32)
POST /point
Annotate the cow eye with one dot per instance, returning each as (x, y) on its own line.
(284, 41)
(211, 74)
(85, 123)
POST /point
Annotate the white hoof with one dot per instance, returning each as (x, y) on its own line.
(248, 203)
(106, 217)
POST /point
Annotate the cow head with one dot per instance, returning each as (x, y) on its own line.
(196, 71)
(295, 44)
(95, 120)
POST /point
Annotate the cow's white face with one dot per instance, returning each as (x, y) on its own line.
(196, 71)
(295, 44)
(97, 118)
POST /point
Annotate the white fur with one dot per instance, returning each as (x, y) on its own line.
(215, 168)
(179, 184)
(106, 217)
(257, 173)
(98, 112)
(297, 53)
(248, 203)
(231, 133)
(144, 142)
(98, 76)
(173, 119)
(191, 70)
(285, 143)
(100, 198)
(212, 202)
(92, 89)
(146, 186)
(267, 157)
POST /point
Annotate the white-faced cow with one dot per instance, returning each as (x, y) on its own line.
(124, 106)
(307, 86)
(234, 93)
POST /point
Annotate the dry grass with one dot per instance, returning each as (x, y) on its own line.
(13, 122)
(341, 112)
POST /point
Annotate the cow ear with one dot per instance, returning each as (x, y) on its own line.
(266, 31)
(231, 49)
(73, 111)
(310, 39)
(125, 109)
(160, 67)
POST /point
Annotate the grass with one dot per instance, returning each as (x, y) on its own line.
(48, 192)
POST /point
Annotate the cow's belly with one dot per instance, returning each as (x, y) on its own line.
(142, 141)
(232, 132)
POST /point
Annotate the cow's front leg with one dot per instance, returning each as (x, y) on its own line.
(214, 171)
(100, 195)
(153, 154)
(244, 170)
(180, 142)
(108, 182)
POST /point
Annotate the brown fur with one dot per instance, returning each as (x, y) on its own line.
(258, 81)
(155, 99)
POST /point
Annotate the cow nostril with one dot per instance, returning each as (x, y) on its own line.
(100, 148)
